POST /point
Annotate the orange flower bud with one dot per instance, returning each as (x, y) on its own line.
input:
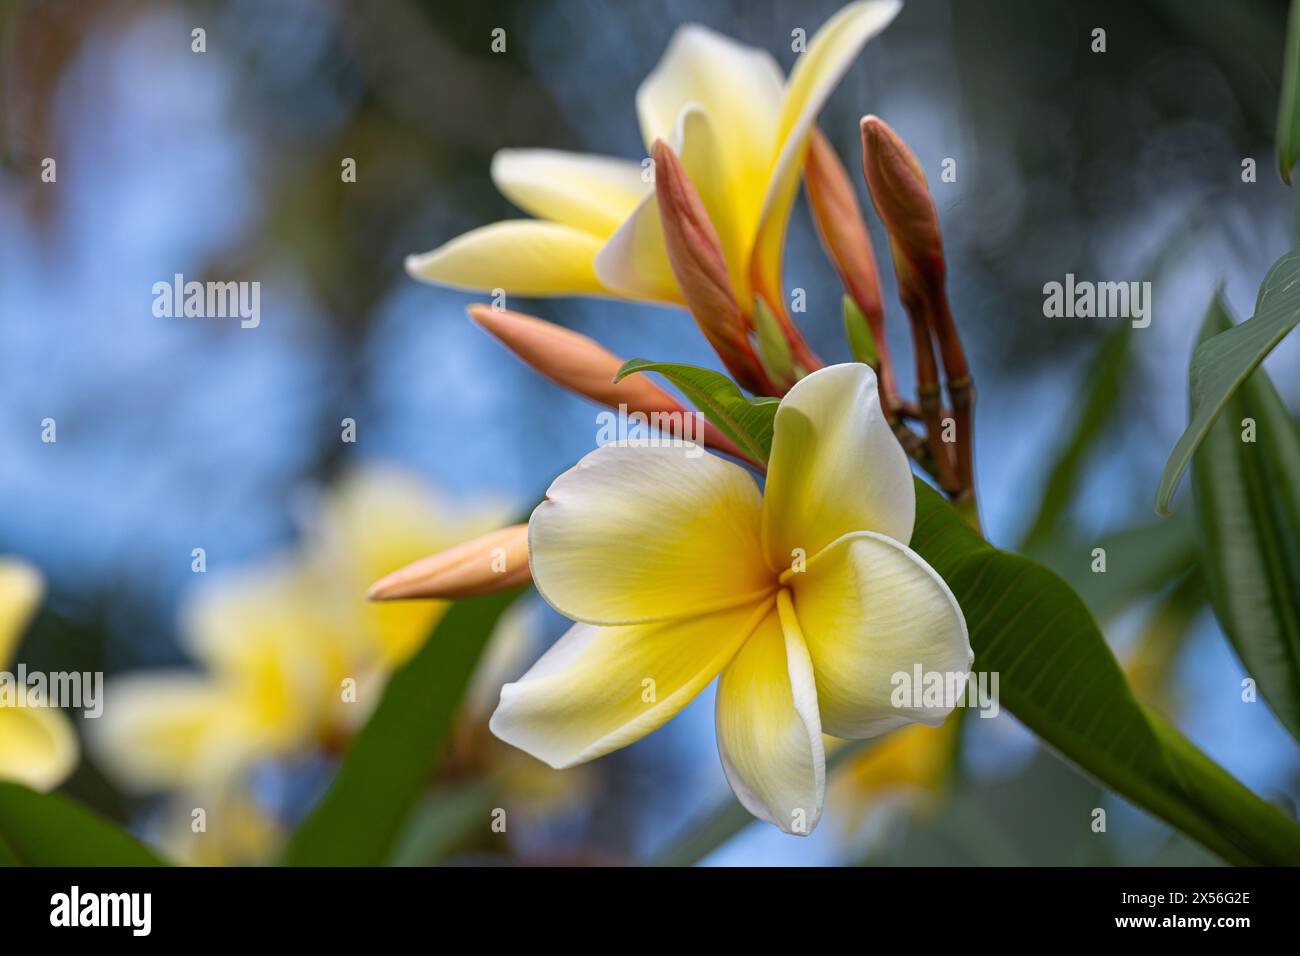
(583, 365)
(695, 254)
(572, 360)
(903, 202)
(494, 562)
(840, 225)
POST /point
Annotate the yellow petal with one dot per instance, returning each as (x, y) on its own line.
(601, 688)
(375, 520)
(523, 256)
(739, 89)
(175, 730)
(835, 467)
(739, 85)
(769, 732)
(872, 609)
(21, 586)
(591, 193)
(634, 262)
(829, 55)
(637, 534)
(38, 747)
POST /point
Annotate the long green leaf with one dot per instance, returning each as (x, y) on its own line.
(746, 421)
(362, 816)
(1058, 676)
(46, 829)
(1248, 503)
(1221, 364)
(1288, 112)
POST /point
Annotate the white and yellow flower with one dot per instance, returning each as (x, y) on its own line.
(38, 746)
(805, 599)
(740, 130)
(276, 642)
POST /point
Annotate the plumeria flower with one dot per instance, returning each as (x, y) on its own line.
(38, 746)
(740, 130)
(277, 641)
(805, 599)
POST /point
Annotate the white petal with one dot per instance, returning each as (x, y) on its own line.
(636, 534)
(871, 609)
(769, 732)
(835, 467)
(591, 193)
(21, 586)
(601, 688)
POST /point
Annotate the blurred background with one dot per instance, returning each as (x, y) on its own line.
(180, 433)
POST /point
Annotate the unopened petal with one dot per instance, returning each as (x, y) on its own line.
(872, 612)
(769, 733)
(636, 534)
(835, 467)
(601, 688)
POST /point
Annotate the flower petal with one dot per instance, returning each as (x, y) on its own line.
(38, 747)
(634, 262)
(172, 730)
(591, 193)
(769, 732)
(835, 467)
(637, 534)
(601, 688)
(21, 586)
(871, 609)
(739, 85)
(523, 256)
(815, 75)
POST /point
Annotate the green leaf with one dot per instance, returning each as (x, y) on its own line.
(1288, 112)
(46, 829)
(445, 821)
(362, 816)
(746, 421)
(1058, 676)
(1221, 364)
(861, 342)
(1104, 386)
(773, 348)
(1248, 503)
(1140, 561)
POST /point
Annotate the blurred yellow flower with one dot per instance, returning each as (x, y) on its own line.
(38, 746)
(906, 770)
(292, 660)
(805, 598)
(740, 130)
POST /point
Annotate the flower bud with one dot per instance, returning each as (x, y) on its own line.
(840, 225)
(573, 360)
(903, 202)
(494, 562)
(583, 365)
(695, 254)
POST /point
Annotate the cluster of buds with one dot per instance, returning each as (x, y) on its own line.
(760, 346)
